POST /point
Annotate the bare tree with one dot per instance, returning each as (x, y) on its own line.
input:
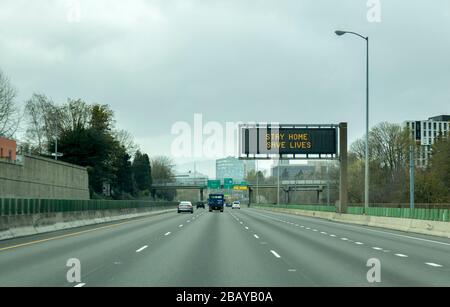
(38, 111)
(9, 111)
(126, 140)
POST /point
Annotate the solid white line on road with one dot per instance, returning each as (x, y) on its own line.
(377, 248)
(401, 255)
(167, 233)
(359, 243)
(181, 225)
(256, 236)
(79, 285)
(141, 249)
(433, 264)
(275, 254)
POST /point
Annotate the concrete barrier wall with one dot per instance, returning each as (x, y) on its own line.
(24, 225)
(37, 177)
(434, 228)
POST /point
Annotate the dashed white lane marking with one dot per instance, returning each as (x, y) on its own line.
(168, 233)
(275, 254)
(256, 236)
(242, 223)
(334, 236)
(292, 270)
(141, 249)
(315, 230)
(359, 243)
(188, 221)
(180, 226)
(246, 227)
(344, 239)
(377, 248)
(323, 232)
(79, 285)
(297, 225)
(302, 226)
(401, 255)
(307, 228)
(433, 264)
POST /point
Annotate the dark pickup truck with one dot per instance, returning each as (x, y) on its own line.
(216, 202)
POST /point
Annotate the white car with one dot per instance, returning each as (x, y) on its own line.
(236, 205)
(185, 206)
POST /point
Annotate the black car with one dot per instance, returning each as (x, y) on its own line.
(201, 204)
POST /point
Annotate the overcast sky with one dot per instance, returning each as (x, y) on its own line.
(158, 62)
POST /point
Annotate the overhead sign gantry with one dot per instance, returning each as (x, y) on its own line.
(297, 142)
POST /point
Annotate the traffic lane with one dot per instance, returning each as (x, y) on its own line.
(337, 262)
(26, 240)
(432, 250)
(44, 263)
(213, 252)
(325, 263)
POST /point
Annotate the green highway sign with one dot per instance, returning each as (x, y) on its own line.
(228, 183)
(213, 184)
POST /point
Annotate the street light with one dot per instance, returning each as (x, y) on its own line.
(366, 38)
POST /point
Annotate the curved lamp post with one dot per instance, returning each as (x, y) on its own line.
(366, 188)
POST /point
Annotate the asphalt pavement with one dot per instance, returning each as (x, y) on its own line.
(237, 248)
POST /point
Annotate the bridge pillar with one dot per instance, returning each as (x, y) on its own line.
(250, 196)
(201, 195)
(343, 169)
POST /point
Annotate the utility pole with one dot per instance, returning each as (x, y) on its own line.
(56, 148)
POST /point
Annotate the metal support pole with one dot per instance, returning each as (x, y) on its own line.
(278, 184)
(411, 176)
(257, 182)
(366, 179)
(344, 164)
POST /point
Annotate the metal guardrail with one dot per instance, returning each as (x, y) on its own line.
(16, 206)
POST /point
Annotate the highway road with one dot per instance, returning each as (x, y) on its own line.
(237, 248)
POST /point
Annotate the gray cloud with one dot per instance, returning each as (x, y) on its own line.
(157, 62)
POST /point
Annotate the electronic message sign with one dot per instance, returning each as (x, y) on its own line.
(288, 140)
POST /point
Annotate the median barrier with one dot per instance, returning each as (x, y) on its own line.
(15, 221)
(425, 226)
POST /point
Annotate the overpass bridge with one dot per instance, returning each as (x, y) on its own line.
(288, 186)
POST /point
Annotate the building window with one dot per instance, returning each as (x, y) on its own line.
(429, 126)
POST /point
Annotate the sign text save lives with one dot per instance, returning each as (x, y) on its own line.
(288, 141)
